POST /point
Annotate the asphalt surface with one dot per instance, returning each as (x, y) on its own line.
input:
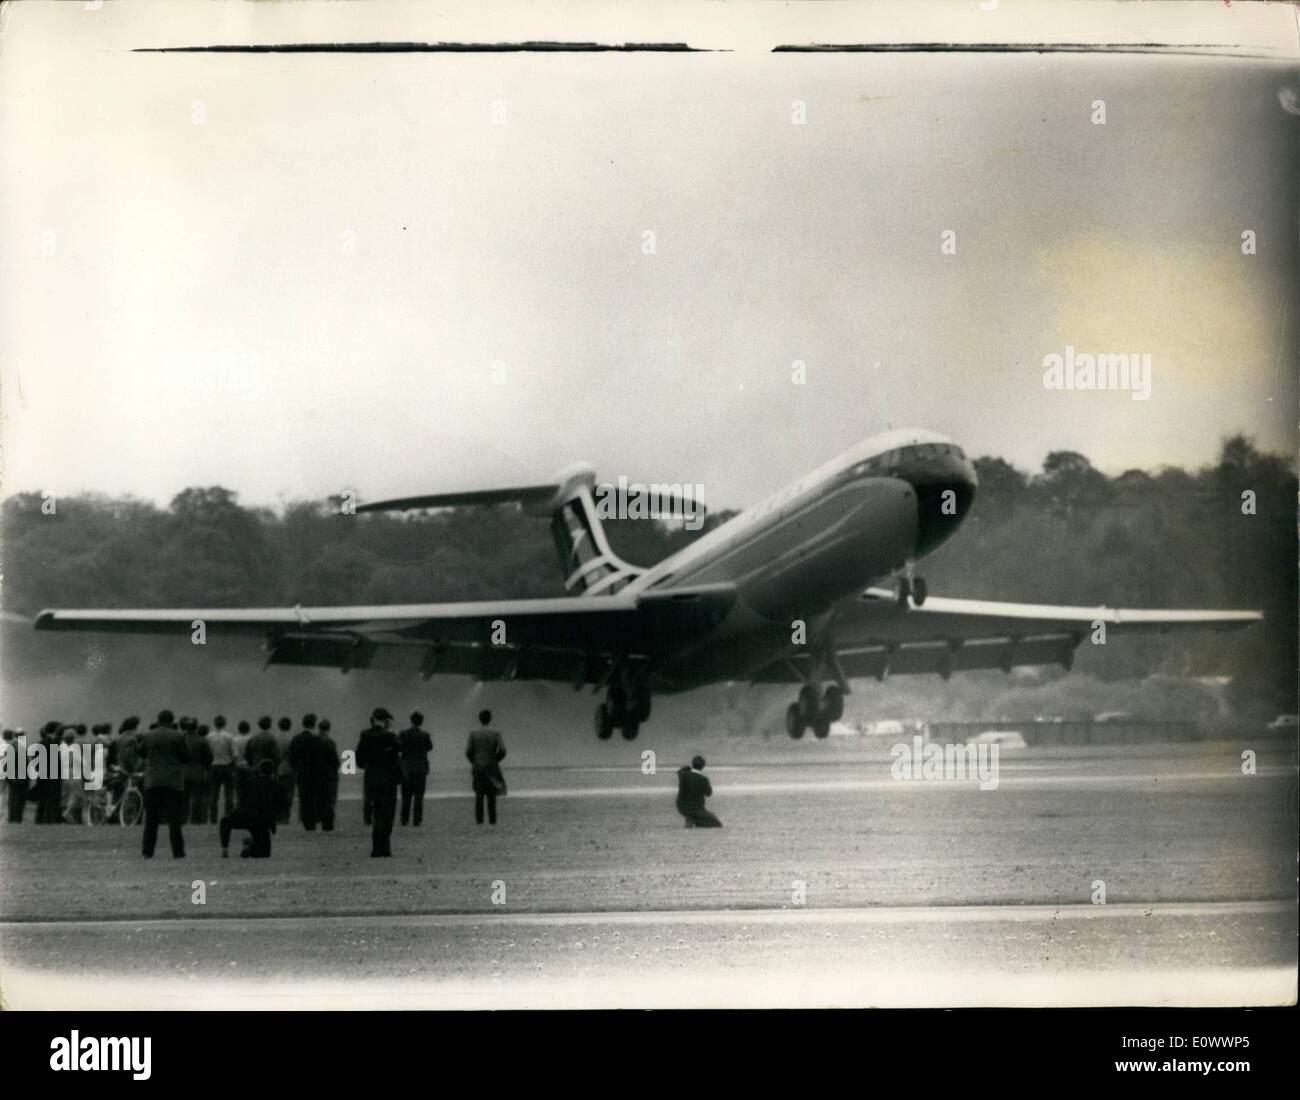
(831, 883)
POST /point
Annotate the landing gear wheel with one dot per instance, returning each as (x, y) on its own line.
(630, 729)
(904, 591)
(833, 703)
(821, 728)
(604, 722)
(809, 704)
(794, 723)
(919, 591)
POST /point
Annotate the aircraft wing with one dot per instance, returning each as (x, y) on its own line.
(563, 638)
(873, 636)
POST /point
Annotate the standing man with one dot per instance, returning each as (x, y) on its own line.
(327, 757)
(221, 743)
(692, 789)
(305, 763)
(262, 745)
(197, 773)
(165, 757)
(49, 789)
(103, 737)
(416, 746)
(72, 804)
(285, 770)
(15, 747)
(367, 790)
(126, 753)
(241, 739)
(102, 746)
(485, 750)
(379, 753)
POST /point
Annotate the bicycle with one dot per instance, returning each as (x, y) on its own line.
(128, 806)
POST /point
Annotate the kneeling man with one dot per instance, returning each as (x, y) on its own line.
(692, 789)
(259, 808)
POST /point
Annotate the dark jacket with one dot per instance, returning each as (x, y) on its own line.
(128, 751)
(692, 789)
(263, 797)
(165, 756)
(327, 760)
(485, 750)
(262, 746)
(379, 754)
(302, 752)
(200, 758)
(285, 768)
(416, 746)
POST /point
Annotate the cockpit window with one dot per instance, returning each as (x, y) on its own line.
(890, 459)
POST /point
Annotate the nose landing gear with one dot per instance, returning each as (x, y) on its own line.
(911, 588)
(815, 710)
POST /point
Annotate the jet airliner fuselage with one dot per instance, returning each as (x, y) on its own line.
(867, 514)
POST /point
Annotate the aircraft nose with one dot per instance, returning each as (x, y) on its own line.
(945, 485)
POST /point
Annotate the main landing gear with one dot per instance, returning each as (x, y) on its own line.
(623, 709)
(815, 710)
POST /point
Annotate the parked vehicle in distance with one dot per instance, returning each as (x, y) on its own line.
(886, 727)
(1008, 739)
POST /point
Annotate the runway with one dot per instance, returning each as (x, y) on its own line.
(829, 884)
(995, 955)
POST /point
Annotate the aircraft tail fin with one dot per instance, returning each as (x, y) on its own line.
(590, 566)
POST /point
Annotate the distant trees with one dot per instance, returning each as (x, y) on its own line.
(1066, 534)
(1070, 534)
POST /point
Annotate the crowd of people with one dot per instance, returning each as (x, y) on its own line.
(246, 778)
(55, 798)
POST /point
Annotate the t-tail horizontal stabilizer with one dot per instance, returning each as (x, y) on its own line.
(590, 567)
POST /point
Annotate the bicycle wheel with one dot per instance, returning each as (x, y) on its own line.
(94, 811)
(131, 809)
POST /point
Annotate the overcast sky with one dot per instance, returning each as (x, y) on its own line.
(292, 275)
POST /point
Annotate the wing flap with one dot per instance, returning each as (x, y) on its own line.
(874, 636)
(347, 651)
(941, 658)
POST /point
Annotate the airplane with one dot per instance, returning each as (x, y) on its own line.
(785, 592)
